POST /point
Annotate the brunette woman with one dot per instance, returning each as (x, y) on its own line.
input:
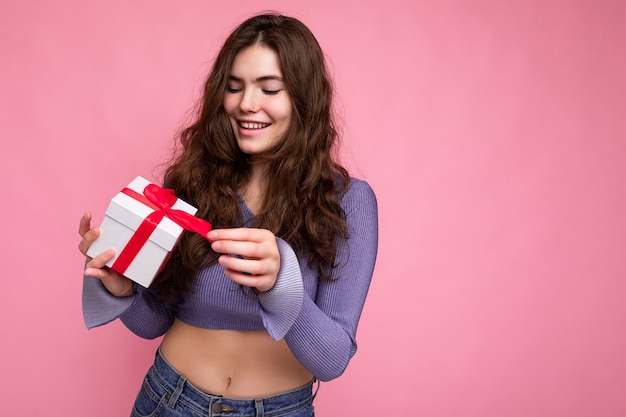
(253, 319)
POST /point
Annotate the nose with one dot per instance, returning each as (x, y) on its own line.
(249, 101)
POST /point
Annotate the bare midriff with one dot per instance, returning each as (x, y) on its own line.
(232, 363)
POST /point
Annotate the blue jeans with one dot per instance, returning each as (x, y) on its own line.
(166, 393)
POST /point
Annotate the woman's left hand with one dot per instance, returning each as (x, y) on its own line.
(260, 259)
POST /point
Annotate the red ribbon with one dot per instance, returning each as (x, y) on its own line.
(161, 201)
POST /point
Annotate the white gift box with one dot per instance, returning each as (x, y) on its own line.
(122, 218)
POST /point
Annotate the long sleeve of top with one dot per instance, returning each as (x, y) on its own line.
(317, 318)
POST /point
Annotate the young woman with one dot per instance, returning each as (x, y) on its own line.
(253, 319)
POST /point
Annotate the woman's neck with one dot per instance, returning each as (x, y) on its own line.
(253, 191)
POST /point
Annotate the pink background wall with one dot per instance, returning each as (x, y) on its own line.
(493, 132)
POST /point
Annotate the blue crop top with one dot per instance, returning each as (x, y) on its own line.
(318, 319)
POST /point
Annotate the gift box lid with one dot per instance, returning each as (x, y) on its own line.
(131, 213)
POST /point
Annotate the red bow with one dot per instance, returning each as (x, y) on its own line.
(161, 200)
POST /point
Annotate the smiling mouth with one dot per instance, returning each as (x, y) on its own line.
(251, 125)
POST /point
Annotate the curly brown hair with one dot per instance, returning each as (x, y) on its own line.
(301, 199)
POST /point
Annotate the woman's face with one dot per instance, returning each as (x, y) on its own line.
(256, 100)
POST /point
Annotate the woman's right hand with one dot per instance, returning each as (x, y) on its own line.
(117, 284)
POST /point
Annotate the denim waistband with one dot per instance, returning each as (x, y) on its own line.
(215, 405)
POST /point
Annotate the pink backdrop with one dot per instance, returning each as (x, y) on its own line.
(492, 131)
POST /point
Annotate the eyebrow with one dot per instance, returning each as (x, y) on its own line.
(260, 79)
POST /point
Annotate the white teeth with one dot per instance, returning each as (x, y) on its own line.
(249, 125)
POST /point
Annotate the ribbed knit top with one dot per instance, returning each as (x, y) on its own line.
(318, 319)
